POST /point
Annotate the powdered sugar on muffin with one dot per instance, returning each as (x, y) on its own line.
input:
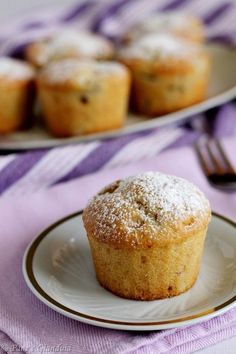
(180, 24)
(160, 47)
(12, 69)
(152, 205)
(69, 43)
(79, 71)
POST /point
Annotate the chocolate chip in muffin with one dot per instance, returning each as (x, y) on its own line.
(84, 99)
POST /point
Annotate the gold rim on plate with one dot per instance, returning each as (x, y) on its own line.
(28, 266)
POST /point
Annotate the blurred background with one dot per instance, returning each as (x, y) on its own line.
(14, 7)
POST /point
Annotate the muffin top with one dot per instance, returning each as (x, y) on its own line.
(180, 24)
(161, 51)
(69, 44)
(79, 73)
(160, 47)
(12, 70)
(146, 210)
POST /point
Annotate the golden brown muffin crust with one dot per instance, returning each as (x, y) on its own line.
(179, 24)
(160, 53)
(83, 97)
(68, 43)
(15, 72)
(75, 73)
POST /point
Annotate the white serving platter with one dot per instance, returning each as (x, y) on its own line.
(222, 88)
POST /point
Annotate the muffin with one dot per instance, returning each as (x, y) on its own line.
(168, 73)
(179, 24)
(79, 97)
(68, 44)
(16, 94)
(147, 234)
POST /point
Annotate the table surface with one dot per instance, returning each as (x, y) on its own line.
(9, 9)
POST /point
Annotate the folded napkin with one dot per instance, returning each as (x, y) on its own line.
(28, 324)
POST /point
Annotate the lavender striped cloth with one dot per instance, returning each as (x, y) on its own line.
(31, 171)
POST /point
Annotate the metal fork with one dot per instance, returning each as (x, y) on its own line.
(215, 163)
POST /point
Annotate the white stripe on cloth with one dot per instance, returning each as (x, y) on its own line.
(145, 147)
(86, 19)
(128, 15)
(18, 24)
(226, 24)
(23, 37)
(199, 7)
(17, 34)
(5, 160)
(141, 9)
(56, 164)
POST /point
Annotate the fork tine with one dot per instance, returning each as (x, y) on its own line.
(216, 164)
(229, 167)
(203, 159)
(214, 155)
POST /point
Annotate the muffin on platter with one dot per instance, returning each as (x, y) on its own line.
(68, 43)
(168, 73)
(179, 24)
(147, 234)
(83, 97)
(16, 94)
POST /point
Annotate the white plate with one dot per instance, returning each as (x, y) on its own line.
(58, 269)
(222, 88)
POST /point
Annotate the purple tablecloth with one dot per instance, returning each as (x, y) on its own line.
(32, 171)
(26, 322)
